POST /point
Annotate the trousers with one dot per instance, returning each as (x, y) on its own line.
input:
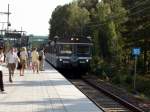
(1, 81)
(11, 68)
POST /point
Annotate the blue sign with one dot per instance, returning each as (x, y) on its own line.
(136, 51)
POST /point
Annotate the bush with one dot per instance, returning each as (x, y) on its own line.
(96, 65)
(143, 85)
(120, 75)
(129, 79)
(116, 79)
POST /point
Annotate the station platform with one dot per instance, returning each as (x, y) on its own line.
(47, 91)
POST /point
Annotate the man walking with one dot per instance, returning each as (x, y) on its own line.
(11, 60)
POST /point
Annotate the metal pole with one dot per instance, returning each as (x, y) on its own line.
(134, 83)
(8, 19)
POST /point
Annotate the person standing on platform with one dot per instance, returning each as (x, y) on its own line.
(42, 59)
(19, 64)
(29, 59)
(23, 60)
(35, 60)
(11, 60)
(1, 72)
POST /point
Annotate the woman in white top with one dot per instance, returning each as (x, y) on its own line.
(1, 72)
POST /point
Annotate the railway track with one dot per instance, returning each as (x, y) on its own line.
(119, 95)
(103, 101)
(106, 97)
(102, 95)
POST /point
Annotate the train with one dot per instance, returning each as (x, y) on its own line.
(70, 52)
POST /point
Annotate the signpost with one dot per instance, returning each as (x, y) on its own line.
(135, 52)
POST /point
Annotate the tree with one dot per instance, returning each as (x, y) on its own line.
(68, 20)
(109, 32)
(138, 27)
(88, 4)
(78, 18)
(58, 22)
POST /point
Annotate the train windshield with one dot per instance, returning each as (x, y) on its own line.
(66, 49)
(83, 49)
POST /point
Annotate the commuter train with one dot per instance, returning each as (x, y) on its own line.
(70, 53)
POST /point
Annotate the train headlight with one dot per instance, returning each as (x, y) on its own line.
(87, 60)
(60, 59)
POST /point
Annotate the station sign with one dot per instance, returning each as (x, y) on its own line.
(136, 51)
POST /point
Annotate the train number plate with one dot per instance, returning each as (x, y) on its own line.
(82, 61)
(65, 61)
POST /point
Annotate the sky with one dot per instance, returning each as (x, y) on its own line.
(31, 16)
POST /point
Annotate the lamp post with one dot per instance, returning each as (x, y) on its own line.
(8, 23)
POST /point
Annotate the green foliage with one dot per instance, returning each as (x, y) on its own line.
(88, 4)
(100, 68)
(143, 85)
(58, 22)
(110, 29)
(138, 27)
(78, 17)
(129, 79)
(68, 20)
(96, 65)
(122, 77)
(96, 46)
(116, 79)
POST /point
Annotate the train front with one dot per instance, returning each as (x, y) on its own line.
(74, 53)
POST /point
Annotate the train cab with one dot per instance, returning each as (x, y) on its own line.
(73, 52)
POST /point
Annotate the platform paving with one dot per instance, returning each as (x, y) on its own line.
(47, 91)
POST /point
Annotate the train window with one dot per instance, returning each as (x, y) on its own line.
(66, 49)
(83, 49)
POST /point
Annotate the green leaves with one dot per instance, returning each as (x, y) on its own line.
(58, 22)
(68, 20)
(78, 17)
(110, 18)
